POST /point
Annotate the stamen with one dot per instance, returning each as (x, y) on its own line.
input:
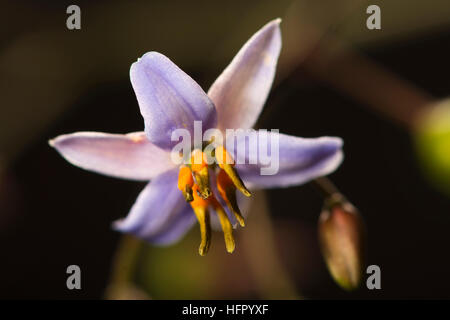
(226, 226)
(193, 181)
(228, 192)
(199, 167)
(186, 182)
(200, 208)
(226, 163)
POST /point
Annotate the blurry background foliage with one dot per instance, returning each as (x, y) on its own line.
(56, 81)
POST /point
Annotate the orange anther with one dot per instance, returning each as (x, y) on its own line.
(198, 160)
(198, 201)
(185, 178)
(223, 157)
(224, 182)
(227, 190)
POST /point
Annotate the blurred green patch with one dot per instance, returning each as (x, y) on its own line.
(433, 145)
(177, 272)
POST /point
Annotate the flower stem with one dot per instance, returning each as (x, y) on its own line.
(124, 266)
(326, 187)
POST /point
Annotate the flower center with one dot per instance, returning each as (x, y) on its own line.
(194, 183)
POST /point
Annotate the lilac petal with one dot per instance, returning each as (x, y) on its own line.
(176, 230)
(159, 213)
(299, 160)
(242, 89)
(129, 156)
(168, 99)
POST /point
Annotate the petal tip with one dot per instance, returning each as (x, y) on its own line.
(117, 225)
(56, 142)
(144, 58)
(272, 28)
(336, 142)
(277, 21)
(51, 142)
(339, 141)
(148, 56)
(334, 163)
(274, 25)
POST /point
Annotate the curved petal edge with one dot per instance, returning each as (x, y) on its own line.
(168, 99)
(128, 156)
(240, 92)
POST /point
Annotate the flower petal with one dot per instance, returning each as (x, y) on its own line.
(168, 99)
(174, 231)
(159, 213)
(129, 156)
(299, 159)
(242, 89)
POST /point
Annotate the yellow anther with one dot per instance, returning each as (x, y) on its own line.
(198, 160)
(226, 225)
(199, 167)
(223, 157)
(226, 163)
(200, 207)
(186, 182)
(228, 192)
(202, 179)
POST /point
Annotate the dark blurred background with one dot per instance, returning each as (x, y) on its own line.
(56, 81)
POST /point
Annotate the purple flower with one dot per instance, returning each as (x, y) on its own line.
(168, 100)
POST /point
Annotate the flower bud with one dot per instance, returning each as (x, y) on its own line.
(341, 236)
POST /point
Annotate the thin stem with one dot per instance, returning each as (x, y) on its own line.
(124, 266)
(326, 187)
(330, 192)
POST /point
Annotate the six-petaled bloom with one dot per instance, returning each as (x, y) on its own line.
(177, 195)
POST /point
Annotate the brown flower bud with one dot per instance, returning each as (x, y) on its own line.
(342, 237)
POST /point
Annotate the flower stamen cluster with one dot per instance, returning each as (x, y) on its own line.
(194, 183)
